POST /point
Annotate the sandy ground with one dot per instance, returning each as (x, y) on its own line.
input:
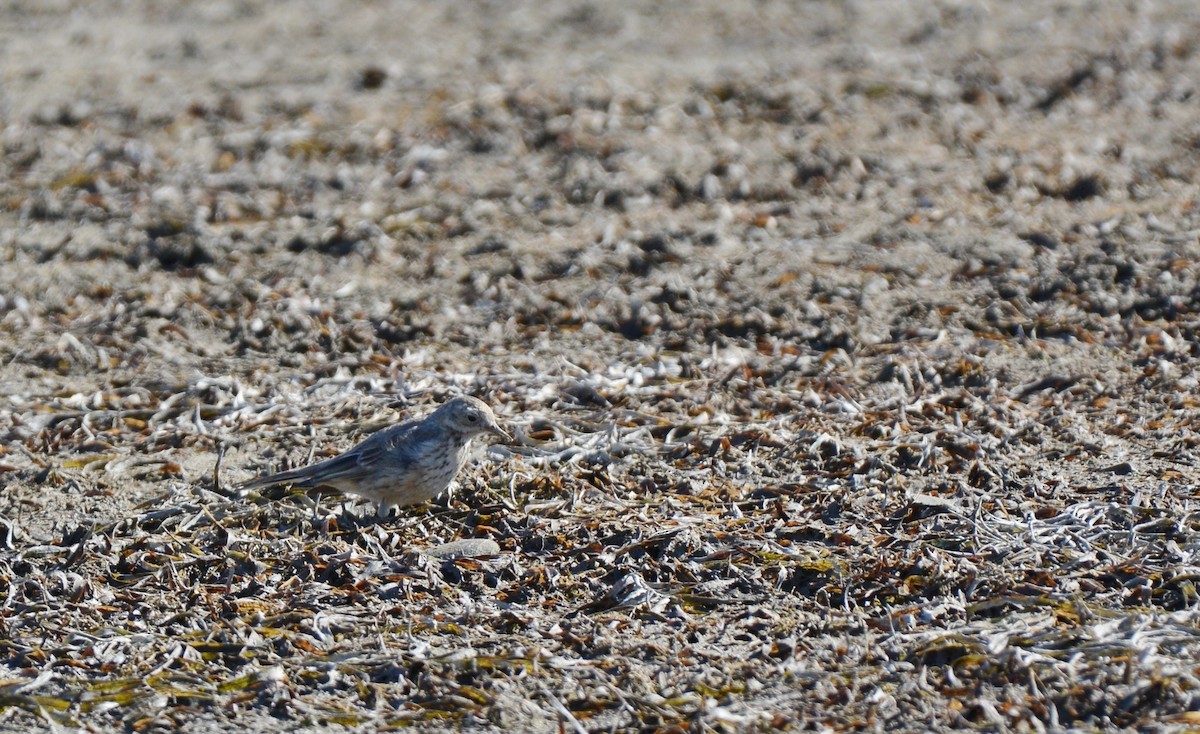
(848, 345)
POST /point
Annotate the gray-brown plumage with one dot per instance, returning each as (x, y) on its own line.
(401, 465)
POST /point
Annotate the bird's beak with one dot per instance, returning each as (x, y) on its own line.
(500, 432)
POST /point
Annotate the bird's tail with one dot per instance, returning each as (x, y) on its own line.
(297, 477)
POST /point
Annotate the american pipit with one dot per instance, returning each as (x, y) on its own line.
(401, 465)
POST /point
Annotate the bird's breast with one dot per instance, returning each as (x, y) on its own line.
(438, 466)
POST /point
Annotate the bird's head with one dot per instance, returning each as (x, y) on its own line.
(470, 416)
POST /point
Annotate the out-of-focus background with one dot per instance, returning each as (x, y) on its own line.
(848, 346)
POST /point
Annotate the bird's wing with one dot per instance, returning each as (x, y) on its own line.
(355, 464)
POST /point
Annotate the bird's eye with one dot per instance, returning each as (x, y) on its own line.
(472, 417)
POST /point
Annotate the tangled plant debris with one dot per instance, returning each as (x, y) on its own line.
(848, 379)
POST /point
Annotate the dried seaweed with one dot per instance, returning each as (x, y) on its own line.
(841, 400)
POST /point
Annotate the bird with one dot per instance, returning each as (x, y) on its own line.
(401, 465)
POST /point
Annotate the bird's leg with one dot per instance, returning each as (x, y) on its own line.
(349, 514)
(328, 523)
